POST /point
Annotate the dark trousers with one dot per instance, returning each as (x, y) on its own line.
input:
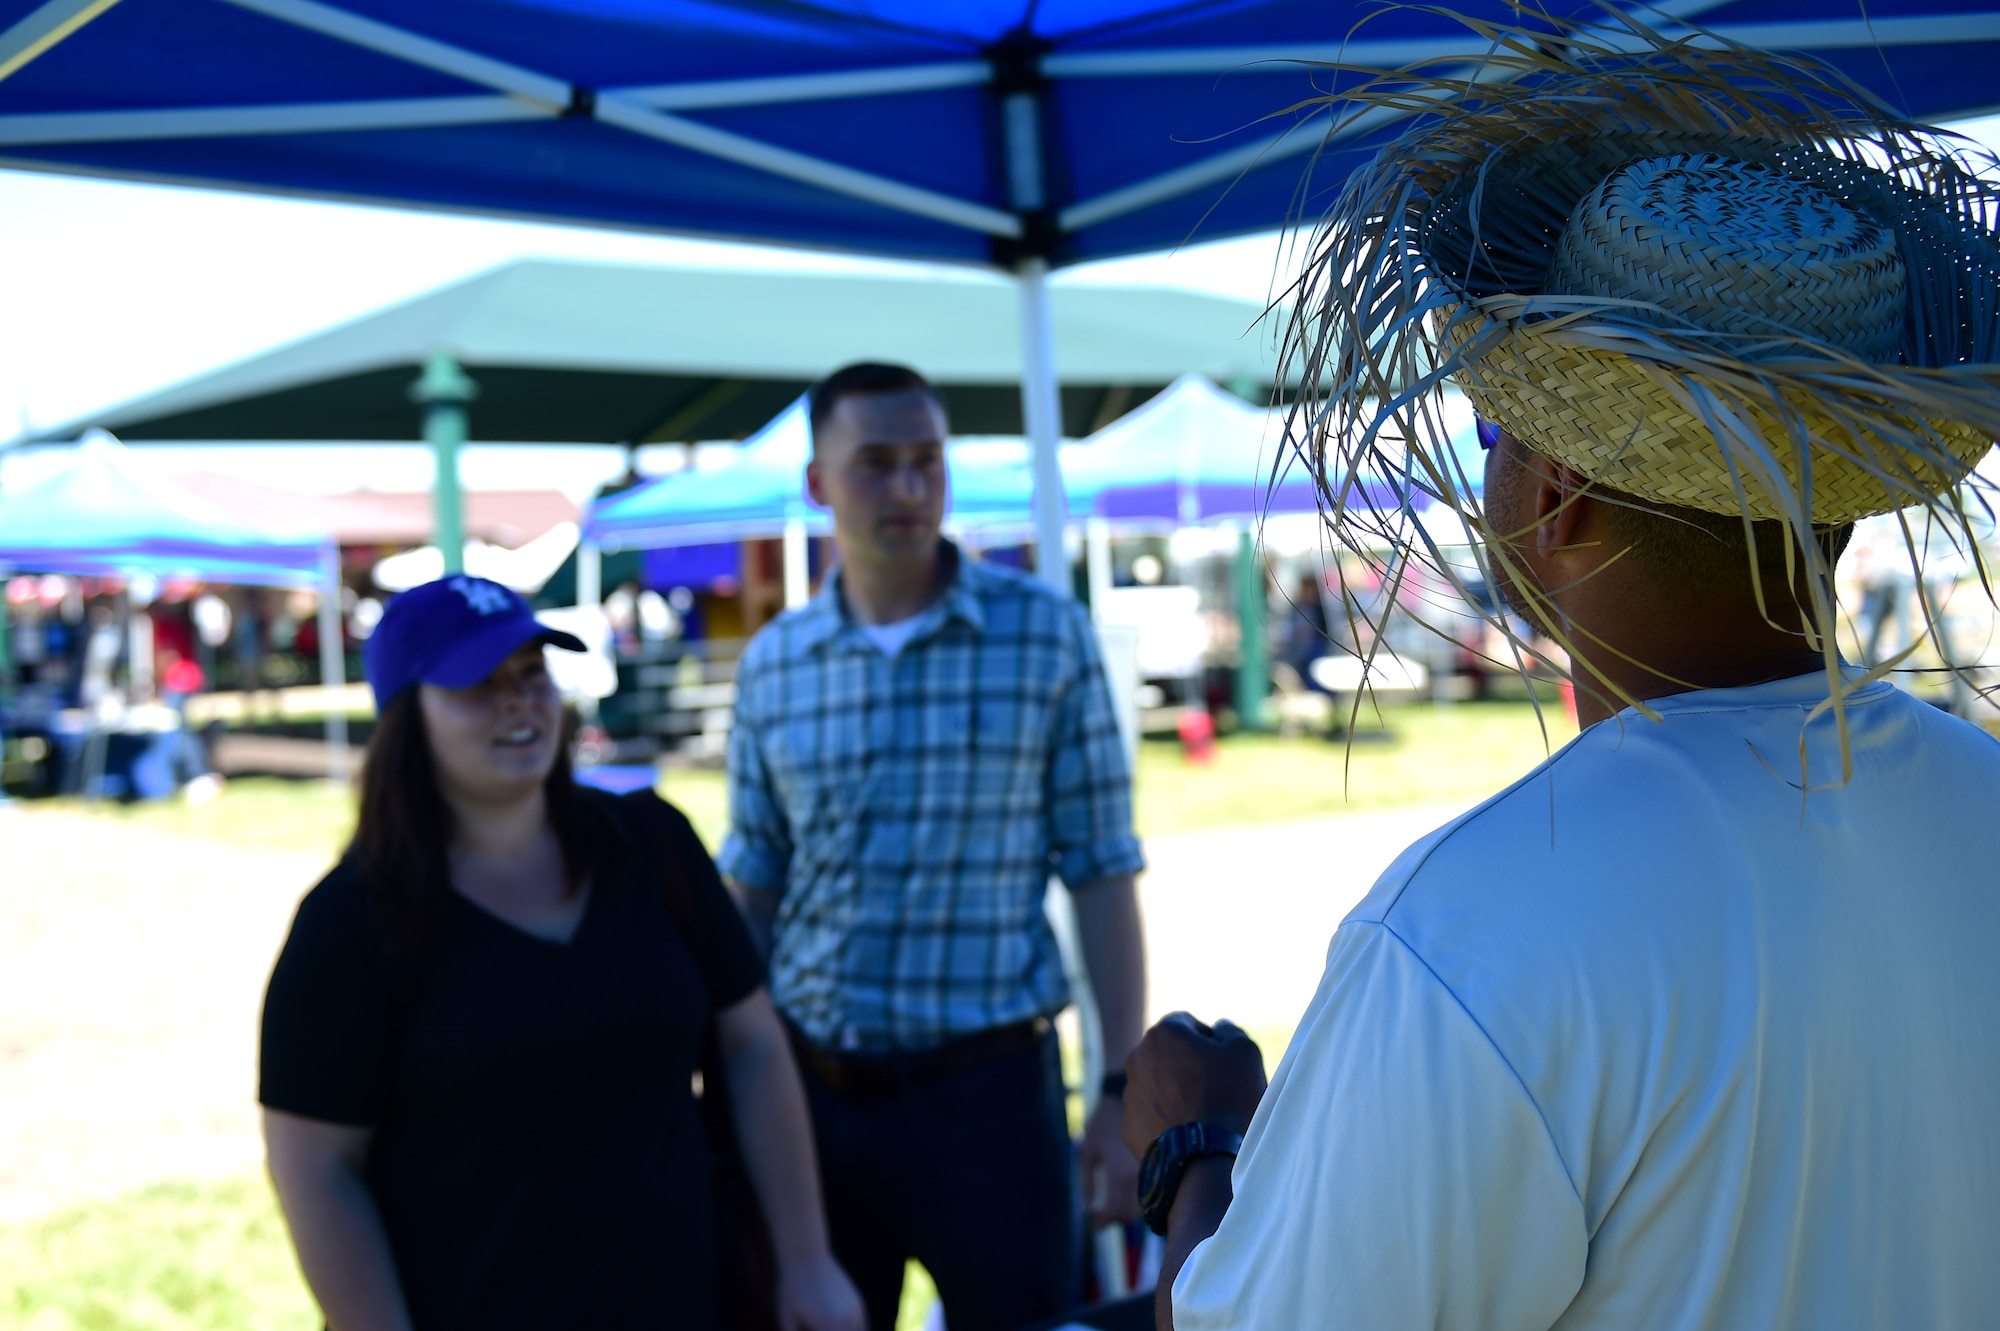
(970, 1175)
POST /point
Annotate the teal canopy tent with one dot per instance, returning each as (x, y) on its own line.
(99, 515)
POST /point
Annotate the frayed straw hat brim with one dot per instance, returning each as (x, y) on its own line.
(1621, 412)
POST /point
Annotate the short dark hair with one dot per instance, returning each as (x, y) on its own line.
(403, 837)
(1681, 543)
(863, 379)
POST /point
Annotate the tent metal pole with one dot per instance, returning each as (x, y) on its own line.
(6, 645)
(798, 569)
(333, 665)
(43, 29)
(1097, 557)
(589, 574)
(1041, 414)
(444, 390)
(590, 595)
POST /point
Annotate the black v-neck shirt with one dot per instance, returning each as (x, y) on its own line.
(538, 1155)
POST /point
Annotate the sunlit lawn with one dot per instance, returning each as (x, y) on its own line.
(177, 1257)
(1407, 755)
(213, 1255)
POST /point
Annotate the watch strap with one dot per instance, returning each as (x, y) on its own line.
(1167, 1160)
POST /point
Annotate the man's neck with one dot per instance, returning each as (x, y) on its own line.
(1667, 678)
(1681, 645)
(889, 593)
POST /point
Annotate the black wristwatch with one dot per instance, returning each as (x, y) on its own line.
(1167, 1159)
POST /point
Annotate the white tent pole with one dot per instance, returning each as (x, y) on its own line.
(1097, 553)
(590, 595)
(798, 571)
(1041, 415)
(333, 665)
(589, 574)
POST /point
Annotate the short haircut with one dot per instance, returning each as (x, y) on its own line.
(864, 379)
(1689, 544)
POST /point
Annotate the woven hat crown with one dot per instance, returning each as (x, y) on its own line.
(1736, 248)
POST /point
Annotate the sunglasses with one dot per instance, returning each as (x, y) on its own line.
(1489, 436)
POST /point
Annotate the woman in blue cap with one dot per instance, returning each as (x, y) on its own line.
(480, 1039)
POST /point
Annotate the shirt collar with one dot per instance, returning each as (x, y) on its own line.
(1807, 690)
(827, 617)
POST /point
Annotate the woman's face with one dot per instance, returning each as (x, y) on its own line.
(495, 742)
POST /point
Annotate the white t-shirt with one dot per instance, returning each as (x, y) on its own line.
(1653, 1040)
(891, 638)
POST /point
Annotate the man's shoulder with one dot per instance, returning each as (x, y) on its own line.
(1015, 600)
(1489, 827)
(1573, 820)
(988, 578)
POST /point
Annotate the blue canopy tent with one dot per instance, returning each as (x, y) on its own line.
(760, 493)
(99, 516)
(1024, 134)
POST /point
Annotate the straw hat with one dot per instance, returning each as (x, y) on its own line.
(1699, 274)
(1715, 278)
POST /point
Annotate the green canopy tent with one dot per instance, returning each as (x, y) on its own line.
(566, 352)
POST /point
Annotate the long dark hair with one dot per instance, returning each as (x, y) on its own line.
(403, 837)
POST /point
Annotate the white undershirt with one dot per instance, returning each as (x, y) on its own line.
(891, 638)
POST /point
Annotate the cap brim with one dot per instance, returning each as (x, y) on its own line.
(480, 654)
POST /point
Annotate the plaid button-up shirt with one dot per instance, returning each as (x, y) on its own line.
(909, 810)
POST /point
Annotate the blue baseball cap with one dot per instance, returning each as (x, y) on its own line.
(452, 633)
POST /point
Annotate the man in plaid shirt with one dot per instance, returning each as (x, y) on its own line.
(914, 753)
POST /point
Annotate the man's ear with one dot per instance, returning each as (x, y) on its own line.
(1562, 494)
(815, 485)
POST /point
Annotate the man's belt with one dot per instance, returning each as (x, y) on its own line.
(868, 1072)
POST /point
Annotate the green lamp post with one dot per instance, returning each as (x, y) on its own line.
(1253, 667)
(443, 391)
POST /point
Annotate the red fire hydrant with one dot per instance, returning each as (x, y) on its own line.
(1197, 731)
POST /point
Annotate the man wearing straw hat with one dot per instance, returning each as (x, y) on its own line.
(1698, 1025)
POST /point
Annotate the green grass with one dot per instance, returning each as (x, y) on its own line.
(702, 793)
(271, 813)
(1414, 755)
(190, 1257)
(177, 1257)
(263, 813)
(1418, 754)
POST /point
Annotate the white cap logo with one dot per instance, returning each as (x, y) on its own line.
(483, 597)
